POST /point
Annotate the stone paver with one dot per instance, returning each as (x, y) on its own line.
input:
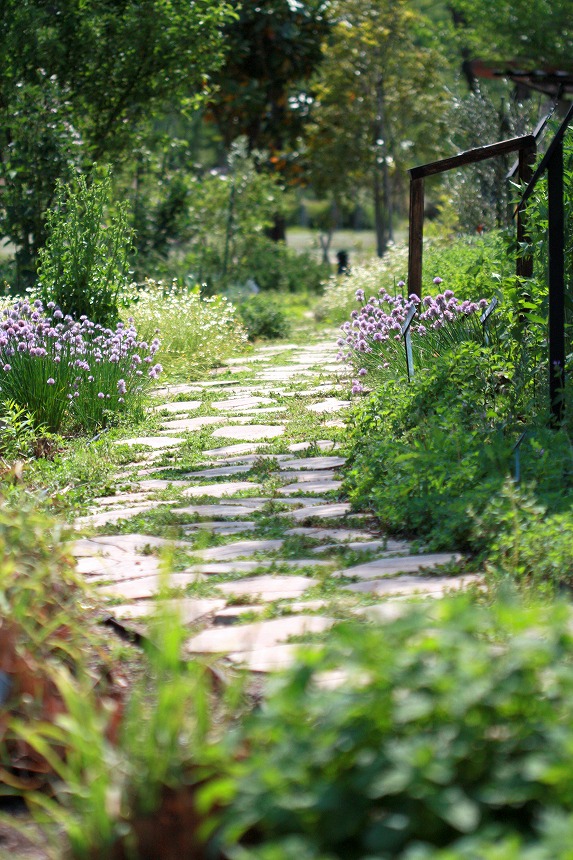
(251, 574)
(153, 441)
(390, 566)
(220, 471)
(322, 512)
(331, 404)
(192, 423)
(189, 609)
(221, 528)
(244, 402)
(315, 463)
(269, 588)
(265, 660)
(253, 637)
(178, 406)
(327, 485)
(221, 511)
(252, 432)
(239, 549)
(431, 585)
(217, 491)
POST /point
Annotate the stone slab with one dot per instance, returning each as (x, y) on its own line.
(190, 609)
(410, 585)
(327, 485)
(223, 528)
(243, 402)
(147, 586)
(174, 390)
(239, 549)
(220, 471)
(121, 544)
(191, 424)
(249, 432)
(269, 587)
(218, 491)
(255, 636)
(155, 442)
(338, 509)
(340, 535)
(157, 484)
(227, 511)
(305, 475)
(404, 564)
(119, 499)
(232, 450)
(265, 660)
(178, 406)
(113, 516)
(105, 568)
(330, 405)
(315, 463)
(269, 410)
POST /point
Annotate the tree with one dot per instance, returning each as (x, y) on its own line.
(379, 102)
(274, 47)
(536, 33)
(90, 73)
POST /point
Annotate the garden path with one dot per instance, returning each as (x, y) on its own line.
(236, 491)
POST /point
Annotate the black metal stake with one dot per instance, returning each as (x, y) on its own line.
(556, 285)
(408, 342)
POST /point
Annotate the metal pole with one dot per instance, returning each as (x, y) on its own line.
(416, 237)
(556, 285)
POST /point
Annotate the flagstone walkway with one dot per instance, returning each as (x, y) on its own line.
(236, 492)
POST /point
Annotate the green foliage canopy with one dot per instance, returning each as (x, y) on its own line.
(77, 80)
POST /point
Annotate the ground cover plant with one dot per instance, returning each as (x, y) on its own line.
(62, 370)
(196, 331)
(450, 731)
(430, 454)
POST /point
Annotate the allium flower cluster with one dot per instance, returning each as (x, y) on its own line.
(372, 339)
(58, 367)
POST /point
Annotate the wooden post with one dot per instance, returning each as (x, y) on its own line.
(556, 284)
(415, 251)
(524, 265)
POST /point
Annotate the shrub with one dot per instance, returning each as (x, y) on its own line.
(451, 724)
(59, 369)
(196, 332)
(263, 317)
(85, 262)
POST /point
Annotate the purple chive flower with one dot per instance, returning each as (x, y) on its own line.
(438, 281)
(50, 381)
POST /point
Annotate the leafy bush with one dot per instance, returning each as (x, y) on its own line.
(263, 317)
(19, 435)
(85, 262)
(59, 369)
(196, 332)
(274, 266)
(524, 542)
(451, 725)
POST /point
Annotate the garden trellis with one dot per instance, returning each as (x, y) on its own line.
(552, 162)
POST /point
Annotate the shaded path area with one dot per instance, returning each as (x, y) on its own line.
(231, 507)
